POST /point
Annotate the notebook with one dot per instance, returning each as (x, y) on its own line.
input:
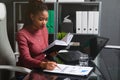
(71, 70)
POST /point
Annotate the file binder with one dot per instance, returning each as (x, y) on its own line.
(96, 22)
(78, 21)
(84, 22)
(90, 22)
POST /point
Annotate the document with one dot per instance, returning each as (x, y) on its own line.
(71, 70)
(59, 44)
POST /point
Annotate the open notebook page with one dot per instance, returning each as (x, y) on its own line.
(68, 38)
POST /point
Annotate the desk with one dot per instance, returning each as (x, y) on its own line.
(39, 75)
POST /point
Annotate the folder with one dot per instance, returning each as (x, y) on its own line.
(90, 22)
(78, 21)
(84, 22)
(96, 22)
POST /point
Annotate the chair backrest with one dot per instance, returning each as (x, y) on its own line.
(7, 56)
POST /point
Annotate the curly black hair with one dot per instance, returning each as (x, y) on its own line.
(33, 7)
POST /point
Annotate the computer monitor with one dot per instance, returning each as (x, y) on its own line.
(89, 44)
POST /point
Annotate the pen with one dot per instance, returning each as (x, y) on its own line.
(58, 67)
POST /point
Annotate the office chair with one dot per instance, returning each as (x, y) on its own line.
(7, 56)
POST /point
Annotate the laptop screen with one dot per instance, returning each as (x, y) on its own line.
(89, 44)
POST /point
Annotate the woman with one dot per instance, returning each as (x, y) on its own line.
(33, 37)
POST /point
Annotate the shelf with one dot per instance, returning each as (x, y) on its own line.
(60, 10)
(70, 8)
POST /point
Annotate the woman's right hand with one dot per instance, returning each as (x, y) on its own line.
(50, 65)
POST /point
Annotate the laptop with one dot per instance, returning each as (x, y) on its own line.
(89, 44)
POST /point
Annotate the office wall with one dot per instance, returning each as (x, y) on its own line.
(109, 59)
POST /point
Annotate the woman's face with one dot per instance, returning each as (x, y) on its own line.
(39, 20)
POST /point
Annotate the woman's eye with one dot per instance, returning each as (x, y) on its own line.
(41, 19)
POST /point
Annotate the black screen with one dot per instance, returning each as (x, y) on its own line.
(89, 44)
